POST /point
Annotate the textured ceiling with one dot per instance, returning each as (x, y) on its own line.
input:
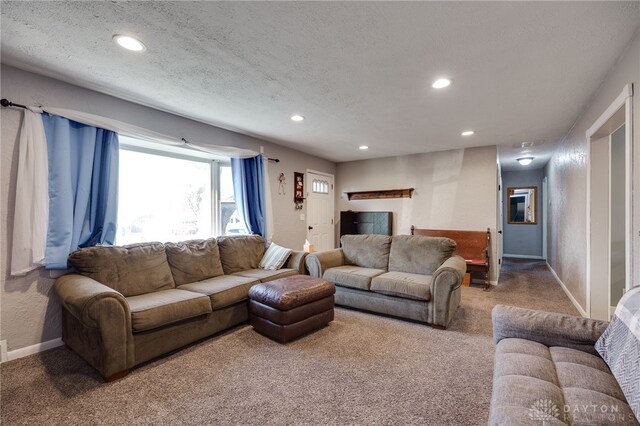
(360, 72)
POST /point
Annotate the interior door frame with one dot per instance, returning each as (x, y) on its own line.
(332, 199)
(545, 202)
(624, 99)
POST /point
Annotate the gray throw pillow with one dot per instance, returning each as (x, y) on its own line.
(274, 257)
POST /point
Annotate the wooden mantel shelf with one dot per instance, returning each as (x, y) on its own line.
(385, 193)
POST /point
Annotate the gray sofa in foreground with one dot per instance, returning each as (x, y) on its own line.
(408, 276)
(127, 305)
(548, 371)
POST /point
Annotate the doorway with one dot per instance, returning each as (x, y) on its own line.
(609, 204)
(320, 221)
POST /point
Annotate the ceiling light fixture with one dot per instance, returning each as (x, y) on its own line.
(363, 147)
(441, 83)
(129, 43)
(297, 117)
(467, 133)
(525, 161)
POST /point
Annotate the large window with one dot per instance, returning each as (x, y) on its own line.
(173, 195)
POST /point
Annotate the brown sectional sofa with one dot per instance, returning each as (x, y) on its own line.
(127, 305)
(408, 276)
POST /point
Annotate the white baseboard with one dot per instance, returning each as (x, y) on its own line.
(568, 293)
(523, 256)
(34, 349)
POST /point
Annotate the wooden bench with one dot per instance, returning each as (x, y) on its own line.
(473, 246)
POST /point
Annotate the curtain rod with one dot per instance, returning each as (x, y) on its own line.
(5, 103)
(275, 160)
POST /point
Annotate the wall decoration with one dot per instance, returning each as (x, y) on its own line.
(282, 182)
(298, 189)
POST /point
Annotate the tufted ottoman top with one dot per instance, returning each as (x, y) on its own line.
(290, 292)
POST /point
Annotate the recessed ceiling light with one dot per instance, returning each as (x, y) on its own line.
(441, 83)
(363, 147)
(525, 161)
(467, 133)
(297, 117)
(129, 43)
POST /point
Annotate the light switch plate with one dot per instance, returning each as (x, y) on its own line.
(302, 216)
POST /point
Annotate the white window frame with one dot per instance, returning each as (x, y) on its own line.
(133, 144)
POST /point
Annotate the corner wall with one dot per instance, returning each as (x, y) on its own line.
(30, 313)
(567, 174)
(454, 189)
(523, 239)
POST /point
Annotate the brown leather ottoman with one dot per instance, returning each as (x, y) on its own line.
(287, 308)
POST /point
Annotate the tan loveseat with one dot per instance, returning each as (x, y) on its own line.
(408, 276)
(127, 305)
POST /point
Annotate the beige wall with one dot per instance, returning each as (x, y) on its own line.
(454, 189)
(29, 314)
(567, 173)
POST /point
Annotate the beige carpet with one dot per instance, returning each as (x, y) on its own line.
(361, 369)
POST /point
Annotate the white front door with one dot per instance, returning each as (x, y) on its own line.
(320, 230)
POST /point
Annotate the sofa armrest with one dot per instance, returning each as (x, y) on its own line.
(296, 261)
(446, 280)
(81, 296)
(96, 310)
(319, 262)
(455, 265)
(548, 328)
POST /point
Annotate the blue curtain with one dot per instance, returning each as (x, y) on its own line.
(83, 187)
(248, 188)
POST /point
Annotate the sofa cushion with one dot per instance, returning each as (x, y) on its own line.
(194, 260)
(524, 378)
(159, 308)
(519, 357)
(418, 254)
(533, 382)
(265, 275)
(403, 284)
(225, 290)
(576, 375)
(131, 270)
(274, 257)
(367, 251)
(565, 355)
(589, 407)
(524, 400)
(239, 253)
(352, 276)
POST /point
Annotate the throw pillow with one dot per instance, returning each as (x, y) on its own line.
(274, 257)
(619, 346)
